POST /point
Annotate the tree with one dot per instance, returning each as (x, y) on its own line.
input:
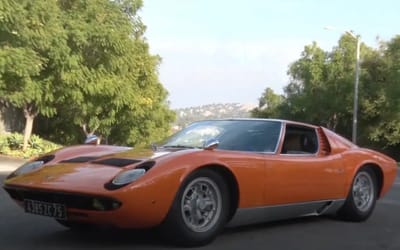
(33, 45)
(321, 86)
(307, 87)
(113, 60)
(86, 61)
(268, 104)
(384, 108)
(321, 91)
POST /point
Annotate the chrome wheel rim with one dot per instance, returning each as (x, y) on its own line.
(201, 204)
(363, 191)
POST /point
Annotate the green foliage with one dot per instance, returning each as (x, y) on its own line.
(82, 64)
(320, 88)
(121, 91)
(31, 47)
(11, 144)
(268, 105)
(321, 91)
(14, 141)
(385, 107)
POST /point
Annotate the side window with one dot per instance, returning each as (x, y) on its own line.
(300, 140)
(251, 136)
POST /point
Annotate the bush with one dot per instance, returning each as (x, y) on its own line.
(11, 144)
(15, 141)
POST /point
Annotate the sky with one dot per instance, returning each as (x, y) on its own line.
(224, 51)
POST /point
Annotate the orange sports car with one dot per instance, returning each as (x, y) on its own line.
(212, 174)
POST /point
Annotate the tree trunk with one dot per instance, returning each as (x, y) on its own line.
(28, 130)
(333, 122)
(30, 115)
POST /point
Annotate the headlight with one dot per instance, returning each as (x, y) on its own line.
(128, 176)
(26, 168)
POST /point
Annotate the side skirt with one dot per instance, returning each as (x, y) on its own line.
(246, 216)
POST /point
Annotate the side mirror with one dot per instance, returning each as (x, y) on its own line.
(92, 139)
(211, 144)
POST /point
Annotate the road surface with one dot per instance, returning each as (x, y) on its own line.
(382, 231)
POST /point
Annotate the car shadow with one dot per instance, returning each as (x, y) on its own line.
(111, 238)
(272, 225)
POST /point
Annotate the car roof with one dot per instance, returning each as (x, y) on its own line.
(265, 119)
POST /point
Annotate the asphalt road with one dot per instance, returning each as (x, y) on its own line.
(8, 164)
(382, 231)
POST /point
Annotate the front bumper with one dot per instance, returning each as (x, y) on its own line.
(70, 200)
(93, 209)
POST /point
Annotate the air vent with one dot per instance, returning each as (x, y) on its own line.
(80, 159)
(45, 158)
(324, 143)
(146, 165)
(117, 162)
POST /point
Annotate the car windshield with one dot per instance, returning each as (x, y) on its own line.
(240, 135)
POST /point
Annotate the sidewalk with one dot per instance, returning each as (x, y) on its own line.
(9, 164)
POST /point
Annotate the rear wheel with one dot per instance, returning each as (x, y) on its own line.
(199, 211)
(361, 198)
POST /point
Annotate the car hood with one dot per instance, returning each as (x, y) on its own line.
(91, 176)
(66, 177)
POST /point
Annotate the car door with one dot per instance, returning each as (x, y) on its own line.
(302, 171)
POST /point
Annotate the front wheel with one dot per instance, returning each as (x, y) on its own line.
(361, 198)
(199, 211)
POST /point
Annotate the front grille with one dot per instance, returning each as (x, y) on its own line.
(84, 202)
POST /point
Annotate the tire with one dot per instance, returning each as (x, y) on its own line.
(362, 197)
(199, 211)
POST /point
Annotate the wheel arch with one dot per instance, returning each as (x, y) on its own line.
(233, 185)
(378, 174)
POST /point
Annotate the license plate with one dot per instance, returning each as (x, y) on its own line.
(54, 210)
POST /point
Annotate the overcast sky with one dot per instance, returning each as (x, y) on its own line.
(217, 51)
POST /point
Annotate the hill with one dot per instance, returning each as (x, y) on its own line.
(185, 116)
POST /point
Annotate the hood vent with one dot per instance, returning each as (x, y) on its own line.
(80, 159)
(117, 162)
(46, 158)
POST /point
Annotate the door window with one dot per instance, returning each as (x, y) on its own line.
(300, 140)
